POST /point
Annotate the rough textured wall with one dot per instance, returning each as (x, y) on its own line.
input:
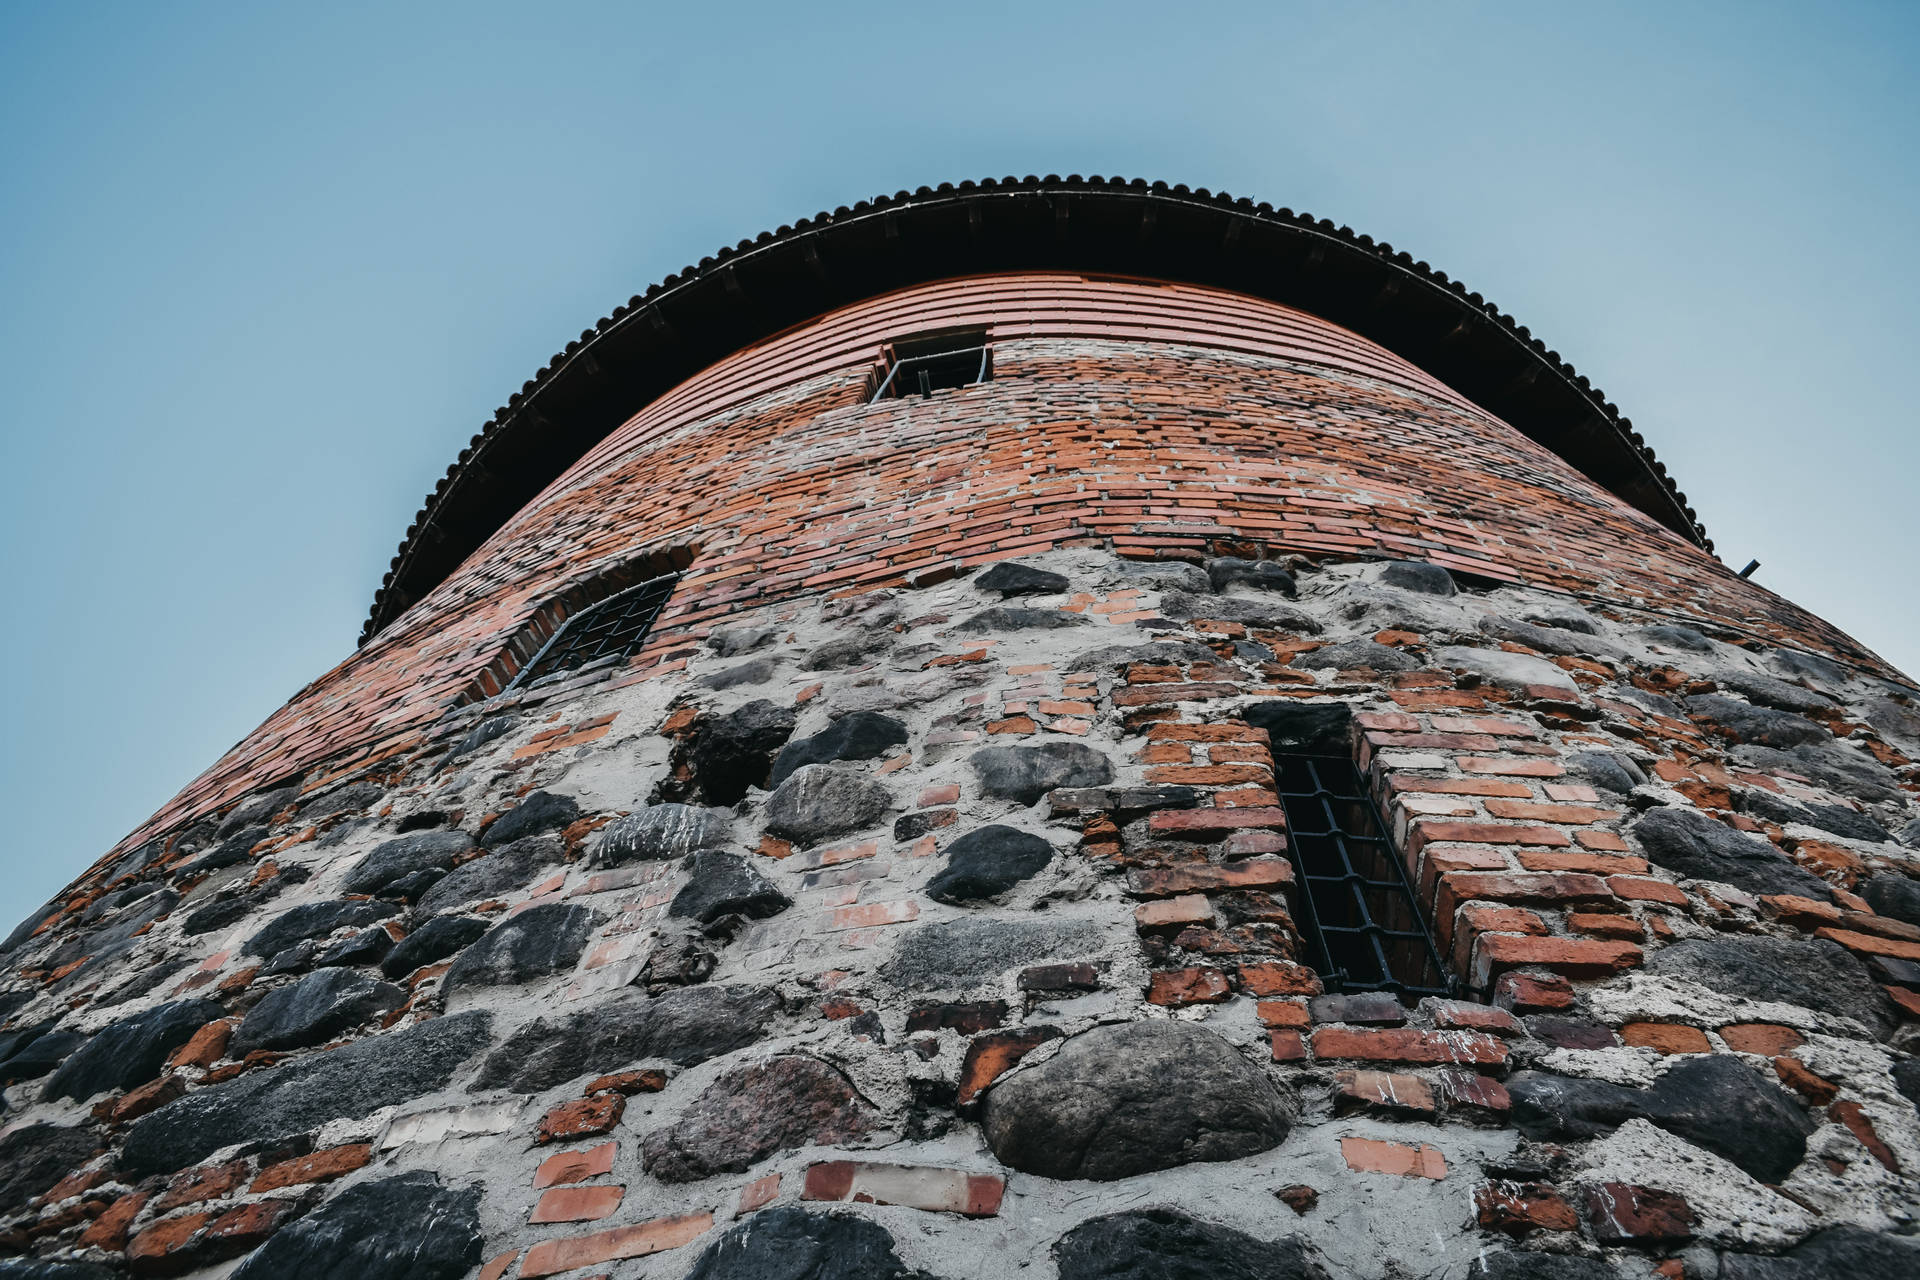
(950, 932)
(1148, 419)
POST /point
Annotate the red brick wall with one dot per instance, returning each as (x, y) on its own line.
(1159, 420)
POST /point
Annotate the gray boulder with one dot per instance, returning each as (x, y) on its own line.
(493, 875)
(540, 811)
(483, 733)
(1516, 671)
(1691, 844)
(314, 1010)
(748, 1113)
(1810, 972)
(422, 851)
(1677, 637)
(739, 640)
(1228, 572)
(1010, 578)
(1255, 611)
(662, 831)
(956, 955)
(1027, 773)
(1134, 1098)
(988, 861)
(315, 920)
(1166, 1244)
(405, 1227)
(859, 735)
(730, 754)
(1895, 895)
(742, 674)
(820, 801)
(1351, 655)
(683, 1026)
(539, 941)
(1838, 1253)
(1744, 722)
(786, 1242)
(1768, 692)
(433, 941)
(1418, 575)
(131, 1051)
(723, 884)
(299, 1096)
(1608, 770)
(1006, 617)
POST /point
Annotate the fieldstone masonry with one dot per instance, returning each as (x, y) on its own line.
(950, 927)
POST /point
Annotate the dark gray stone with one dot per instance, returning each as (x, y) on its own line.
(483, 733)
(1556, 640)
(1897, 719)
(786, 1242)
(413, 886)
(540, 811)
(988, 861)
(847, 651)
(1608, 770)
(538, 941)
(1716, 1103)
(493, 875)
(433, 941)
(1352, 655)
(858, 735)
(683, 1026)
(662, 831)
(1250, 610)
(1831, 764)
(1892, 894)
(34, 1157)
(1842, 821)
(731, 754)
(217, 915)
(1026, 774)
(1261, 575)
(230, 852)
(1165, 1244)
(315, 920)
(1838, 1253)
(1744, 722)
(1418, 575)
(348, 799)
(748, 1113)
(422, 851)
(1369, 1008)
(739, 640)
(131, 1051)
(1566, 617)
(741, 674)
(1906, 1078)
(256, 810)
(1821, 671)
(1539, 1266)
(1133, 1098)
(1006, 617)
(723, 884)
(1316, 728)
(956, 955)
(53, 1269)
(108, 903)
(405, 1227)
(1691, 844)
(1909, 835)
(821, 801)
(299, 1096)
(39, 1054)
(23, 932)
(145, 979)
(1010, 578)
(1675, 637)
(1164, 575)
(314, 1010)
(369, 946)
(1769, 692)
(1810, 972)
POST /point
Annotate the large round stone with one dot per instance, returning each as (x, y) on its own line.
(316, 1008)
(1128, 1099)
(821, 801)
(407, 1227)
(787, 1242)
(1165, 1244)
(751, 1112)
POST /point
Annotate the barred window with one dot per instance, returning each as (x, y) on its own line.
(607, 630)
(936, 362)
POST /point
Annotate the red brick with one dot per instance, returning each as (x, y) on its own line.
(1533, 767)
(1600, 841)
(1463, 1015)
(1208, 775)
(577, 1204)
(1525, 993)
(1665, 1037)
(1640, 889)
(1764, 1038)
(1207, 877)
(1178, 987)
(1382, 1091)
(1850, 1114)
(1868, 944)
(1369, 1155)
(206, 1046)
(496, 1266)
(1173, 913)
(581, 1118)
(1429, 830)
(1406, 1045)
(1575, 957)
(758, 1194)
(1604, 924)
(1518, 1208)
(1279, 978)
(211, 1182)
(1202, 823)
(320, 1166)
(1460, 786)
(1586, 863)
(575, 1166)
(109, 1230)
(1569, 814)
(991, 1056)
(1624, 1214)
(646, 1080)
(1282, 1013)
(1287, 1046)
(1815, 1089)
(971, 1195)
(163, 1248)
(551, 1257)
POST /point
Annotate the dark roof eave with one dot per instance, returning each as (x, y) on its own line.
(760, 287)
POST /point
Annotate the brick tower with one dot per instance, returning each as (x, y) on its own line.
(1047, 728)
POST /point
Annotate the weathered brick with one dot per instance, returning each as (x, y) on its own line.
(1533, 767)
(972, 1195)
(1199, 985)
(575, 1166)
(1665, 1037)
(991, 1056)
(1406, 1045)
(581, 1118)
(1204, 823)
(320, 1166)
(1173, 913)
(1518, 1208)
(551, 1257)
(1495, 953)
(577, 1204)
(1370, 1155)
(1208, 877)
(1381, 1091)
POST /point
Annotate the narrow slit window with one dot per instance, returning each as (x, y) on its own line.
(608, 630)
(1359, 914)
(938, 362)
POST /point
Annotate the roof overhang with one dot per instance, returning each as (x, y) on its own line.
(1110, 225)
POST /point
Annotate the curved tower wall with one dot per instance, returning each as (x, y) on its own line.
(891, 902)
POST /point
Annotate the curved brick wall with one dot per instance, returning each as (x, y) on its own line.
(1156, 419)
(888, 916)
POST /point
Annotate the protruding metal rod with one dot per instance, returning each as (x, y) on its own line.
(1751, 566)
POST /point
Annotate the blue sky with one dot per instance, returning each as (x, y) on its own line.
(264, 269)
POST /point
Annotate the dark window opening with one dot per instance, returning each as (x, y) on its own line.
(938, 362)
(608, 630)
(1360, 911)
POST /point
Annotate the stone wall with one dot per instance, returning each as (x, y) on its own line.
(951, 930)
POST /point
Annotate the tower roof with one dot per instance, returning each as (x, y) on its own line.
(1105, 225)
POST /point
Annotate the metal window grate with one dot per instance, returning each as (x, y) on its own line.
(1361, 916)
(922, 367)
(605, 631)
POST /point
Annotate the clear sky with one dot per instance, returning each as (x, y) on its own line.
(264, 270)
